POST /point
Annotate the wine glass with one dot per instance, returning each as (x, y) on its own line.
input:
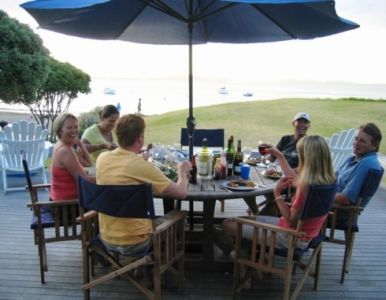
(263, 145)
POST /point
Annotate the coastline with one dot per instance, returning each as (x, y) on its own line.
(12, 116)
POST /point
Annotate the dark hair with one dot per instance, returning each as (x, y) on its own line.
(128, 129)
(107, 111)
(372, 130)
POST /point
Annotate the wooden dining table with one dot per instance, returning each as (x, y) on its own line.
(207, 191)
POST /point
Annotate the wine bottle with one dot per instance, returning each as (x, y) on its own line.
(204, 160)
(239, 158)
(193, 171)
(230, 156)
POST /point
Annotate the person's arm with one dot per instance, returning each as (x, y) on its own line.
(83, 154)
(342, 199)
(285, 167)
(290, 214)
(96, 147)
(178, 189)
(67, 158)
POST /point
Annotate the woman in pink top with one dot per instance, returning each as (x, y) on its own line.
(315, 167)
(69, 159)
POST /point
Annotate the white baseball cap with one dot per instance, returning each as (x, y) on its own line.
(302, 115)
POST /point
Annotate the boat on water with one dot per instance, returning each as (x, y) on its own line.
(223, 90)
(248, 94)
(109, 91)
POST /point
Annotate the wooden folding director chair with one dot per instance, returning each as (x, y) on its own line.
(130, 201)
(215, 140)
(262, 255)
(53, 221)
(345, 218)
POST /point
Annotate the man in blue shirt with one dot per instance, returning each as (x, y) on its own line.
(354, 170)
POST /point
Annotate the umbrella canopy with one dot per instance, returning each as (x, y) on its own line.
(178, 22)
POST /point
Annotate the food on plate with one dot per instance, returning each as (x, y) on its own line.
(253, 160)
(238, 183)
(273, 173)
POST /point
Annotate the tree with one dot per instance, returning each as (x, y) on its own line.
(28, 75)
(62, 86)
(23, 61)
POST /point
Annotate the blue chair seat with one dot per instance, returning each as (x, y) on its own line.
(47, 219)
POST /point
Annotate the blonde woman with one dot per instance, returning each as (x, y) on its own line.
(315, 167)
(69, 159)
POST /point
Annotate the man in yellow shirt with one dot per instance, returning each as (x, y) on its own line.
(124, 166)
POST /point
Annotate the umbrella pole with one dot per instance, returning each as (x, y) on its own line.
(190, 121)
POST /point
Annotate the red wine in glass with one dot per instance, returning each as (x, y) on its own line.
(263, 147)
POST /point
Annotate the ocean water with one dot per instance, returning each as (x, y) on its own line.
(163, 95)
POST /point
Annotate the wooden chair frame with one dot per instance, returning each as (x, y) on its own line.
(262, 255)
(351, 214)
(168, 241)
(348, 238)
(56, 217)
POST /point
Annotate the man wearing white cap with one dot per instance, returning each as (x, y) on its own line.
(287, 144)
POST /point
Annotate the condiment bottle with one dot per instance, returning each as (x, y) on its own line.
(218, 169)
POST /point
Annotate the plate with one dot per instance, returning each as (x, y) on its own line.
(272, 176)
(253, 161)
(238, 188)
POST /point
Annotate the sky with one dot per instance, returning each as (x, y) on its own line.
(354, 56)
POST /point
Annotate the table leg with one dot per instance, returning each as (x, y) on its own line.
(207, 251)
(251, 202)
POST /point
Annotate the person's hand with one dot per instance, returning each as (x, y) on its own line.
(184, 167)
(145, 155)
(110, 146)
(273, 151)
(282, 184)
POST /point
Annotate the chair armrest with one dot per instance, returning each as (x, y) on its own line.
(347, 207)
(54, 203)
(171, 218)
(87, 216)
(39, 186)
(269, 227)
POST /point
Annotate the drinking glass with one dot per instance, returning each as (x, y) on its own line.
(247, 152)
(263, 145)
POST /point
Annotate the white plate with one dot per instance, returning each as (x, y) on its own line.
(270, 176)
(239, 188)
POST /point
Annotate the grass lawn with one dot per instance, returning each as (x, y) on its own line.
(269, 120)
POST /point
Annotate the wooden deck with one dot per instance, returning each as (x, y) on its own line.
(20, 279)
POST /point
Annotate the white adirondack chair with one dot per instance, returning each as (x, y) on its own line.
(341, 146)
(22, 136)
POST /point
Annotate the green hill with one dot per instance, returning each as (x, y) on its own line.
(269, 120)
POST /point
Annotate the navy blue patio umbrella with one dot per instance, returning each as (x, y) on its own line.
(189, 22)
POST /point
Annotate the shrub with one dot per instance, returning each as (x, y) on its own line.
(88, 118)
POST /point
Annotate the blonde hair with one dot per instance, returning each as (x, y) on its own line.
(59, 121)
(315, 163)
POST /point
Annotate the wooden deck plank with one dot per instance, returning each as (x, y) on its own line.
(20, 278)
